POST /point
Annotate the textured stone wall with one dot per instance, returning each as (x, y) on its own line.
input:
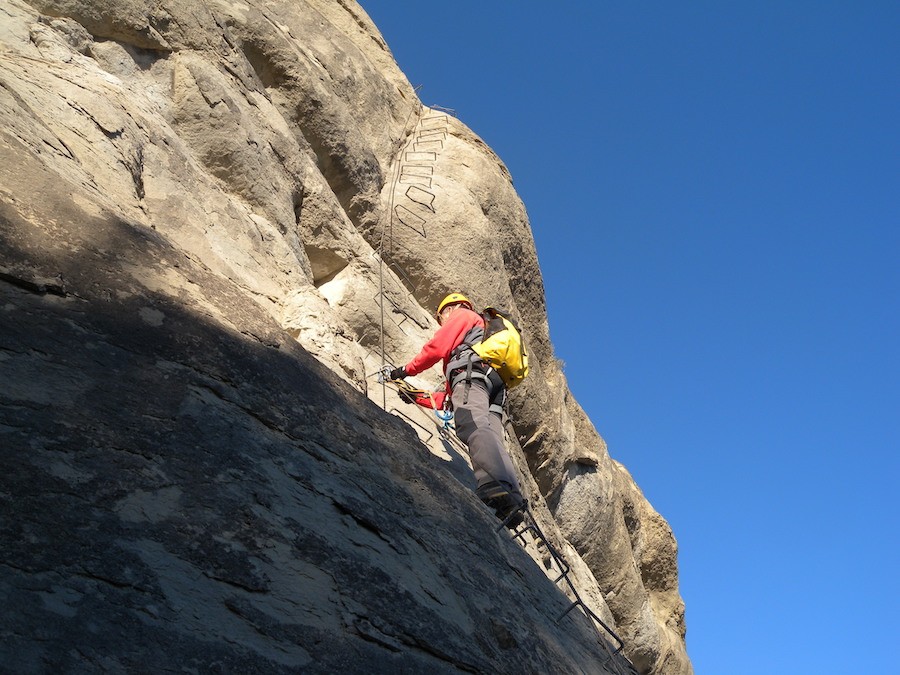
(195, 199)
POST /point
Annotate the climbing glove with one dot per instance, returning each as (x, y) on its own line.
(398, 373)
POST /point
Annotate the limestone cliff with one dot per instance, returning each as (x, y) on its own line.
(217, 219)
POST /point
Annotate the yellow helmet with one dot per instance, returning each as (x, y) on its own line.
(454, 299)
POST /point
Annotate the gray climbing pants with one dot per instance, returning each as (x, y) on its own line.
(482, 431)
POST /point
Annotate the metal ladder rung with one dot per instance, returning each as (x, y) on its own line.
(530, 524)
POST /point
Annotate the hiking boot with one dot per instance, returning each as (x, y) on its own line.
(491, 490)
(510, 508)
(505, 504)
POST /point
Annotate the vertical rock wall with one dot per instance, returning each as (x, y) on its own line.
(275, 150)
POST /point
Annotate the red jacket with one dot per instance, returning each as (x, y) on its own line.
(449, 336)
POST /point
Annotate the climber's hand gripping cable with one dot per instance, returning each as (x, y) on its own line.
(394, 377)
(409, 394)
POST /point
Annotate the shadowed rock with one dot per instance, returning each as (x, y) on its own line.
(216, 219)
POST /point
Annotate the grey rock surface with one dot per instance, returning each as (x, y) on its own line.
(216, 220)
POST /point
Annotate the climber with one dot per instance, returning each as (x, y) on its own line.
(477, 395)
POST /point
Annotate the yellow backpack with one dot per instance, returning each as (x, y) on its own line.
(502, 347)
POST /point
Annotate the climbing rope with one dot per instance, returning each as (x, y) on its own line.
(409, 393)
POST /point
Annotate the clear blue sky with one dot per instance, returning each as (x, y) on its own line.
(714, 190)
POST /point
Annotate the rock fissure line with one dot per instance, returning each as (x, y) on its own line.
(39, 286)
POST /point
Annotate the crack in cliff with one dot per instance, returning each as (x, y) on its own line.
(401, 642)
(249, 411)
(41, 286)
(234, 584)
(363, 522)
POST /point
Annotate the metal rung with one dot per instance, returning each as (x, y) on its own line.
(530, 524)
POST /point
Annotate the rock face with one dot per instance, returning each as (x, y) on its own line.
(216, 220)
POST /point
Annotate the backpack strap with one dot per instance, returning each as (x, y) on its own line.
(498, 394)
(473, 336)
(461, 363)
(465, 364)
